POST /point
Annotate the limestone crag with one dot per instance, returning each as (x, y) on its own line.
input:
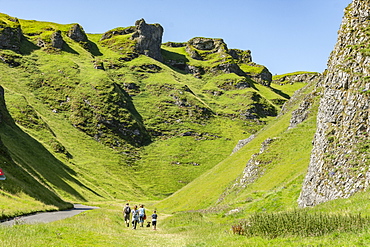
(241, 56)
(301, 77)
(148, 39)
(242, 143)
(11, 35)
(254, 168)
(119, 31)
(340, 159)
(77, 33)
(302, 113)
(57, 40)
(208, 44)
(264, 77)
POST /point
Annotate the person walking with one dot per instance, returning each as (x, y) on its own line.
(126, 214)
(154, 220)
(142, 215)
(135, 217)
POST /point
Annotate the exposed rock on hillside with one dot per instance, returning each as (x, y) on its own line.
(242, 143)
(57, 40)
(77, 33)
(241, 56)
(148, 38)
(207, 44)
(117, 31)
(301, 114)
(143, 39)
(254, 168)
(340, 158)
(264, 77)
(298, 77)
(10, 35)
(228, 68)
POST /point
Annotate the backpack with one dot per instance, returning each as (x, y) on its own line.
(127, 210)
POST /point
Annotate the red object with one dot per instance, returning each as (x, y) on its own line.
(1, 172)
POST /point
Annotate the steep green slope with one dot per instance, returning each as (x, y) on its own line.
(281, 169)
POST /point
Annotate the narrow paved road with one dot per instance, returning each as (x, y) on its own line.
(48, 216)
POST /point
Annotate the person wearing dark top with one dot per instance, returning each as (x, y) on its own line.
(154, 220)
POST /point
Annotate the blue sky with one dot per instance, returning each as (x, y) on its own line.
(283, 35)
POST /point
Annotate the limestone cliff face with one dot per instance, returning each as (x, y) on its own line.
(10, 35)
(149, 39)
(340, 158)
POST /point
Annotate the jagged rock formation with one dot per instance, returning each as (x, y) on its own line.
(299, 77)
(10, 35)
(301, 114)
(148, 39)
(242, 143)
(57, 40)
(114, 32)
(264, 77)
(205, 44)
(77, 33)
(241, 56)
(254, 168)
(340, 158)
(228, 61)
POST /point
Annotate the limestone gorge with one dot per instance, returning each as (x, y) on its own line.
(193, 125)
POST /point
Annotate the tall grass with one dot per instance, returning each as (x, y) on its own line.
(301, 224)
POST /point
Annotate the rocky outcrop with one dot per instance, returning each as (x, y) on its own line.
(264, 77)
(148, 39)
(340, 159)
(299, 77)
(77, 33)
(208, 44)
(228, 68)
(254, 168)
(117, 31)
(57, 40)
(302, 113)
(11, 35)
(242, 143)
(241, 56)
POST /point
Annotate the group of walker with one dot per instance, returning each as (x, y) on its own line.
(138, 216)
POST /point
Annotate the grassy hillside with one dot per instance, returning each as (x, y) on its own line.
(94, 120)
(285, 163)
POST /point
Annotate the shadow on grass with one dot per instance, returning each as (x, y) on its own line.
(32, 169)
(93, 48)
(175, 61)
(279, 92)
(27, 47)
(68, 49)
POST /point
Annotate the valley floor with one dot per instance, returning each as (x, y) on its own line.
(105, 227)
